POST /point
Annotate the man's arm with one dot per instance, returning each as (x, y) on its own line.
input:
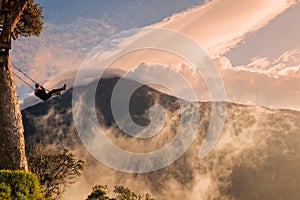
(43, 89)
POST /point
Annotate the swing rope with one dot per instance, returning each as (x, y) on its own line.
(24, 73)
(23, 80)
(26, 76)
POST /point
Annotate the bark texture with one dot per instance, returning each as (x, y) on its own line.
(12, 144)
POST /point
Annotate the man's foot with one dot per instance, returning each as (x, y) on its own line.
(64, 86)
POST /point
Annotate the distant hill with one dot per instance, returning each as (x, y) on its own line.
(257, 156)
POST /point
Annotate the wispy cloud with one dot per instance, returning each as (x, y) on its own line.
(287, 64)
(60, 47)
(219, 26)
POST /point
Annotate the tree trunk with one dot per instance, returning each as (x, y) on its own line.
(12, 144)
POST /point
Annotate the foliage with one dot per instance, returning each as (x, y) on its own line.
(30, 22)
(124, 193)
(99, 193)
(55, 170)
(19, 185)
(5, 191)
(121, 193)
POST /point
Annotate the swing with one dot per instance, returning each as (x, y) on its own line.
(30, 86)
(39, 90)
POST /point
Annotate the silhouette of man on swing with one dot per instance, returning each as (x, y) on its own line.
(40, 92)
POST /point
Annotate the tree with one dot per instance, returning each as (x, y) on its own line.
(19, 184)
(122, 193)
(22, 18)
(55, 170)
(30, 23)
(99, 193)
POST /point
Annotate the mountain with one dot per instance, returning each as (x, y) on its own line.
(256, 157)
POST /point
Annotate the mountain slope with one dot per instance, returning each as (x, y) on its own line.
(255, 158)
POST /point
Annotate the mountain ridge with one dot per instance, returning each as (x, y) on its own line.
(252, 140)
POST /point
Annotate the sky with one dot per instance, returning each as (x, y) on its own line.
(120, 13)
(254, 44)
(73, 29)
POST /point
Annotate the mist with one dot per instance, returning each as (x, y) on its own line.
(255, 155)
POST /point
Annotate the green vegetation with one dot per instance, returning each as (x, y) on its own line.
(30, 22)
(121, 193)
(19, 185)
(55, 170)
(5, 191)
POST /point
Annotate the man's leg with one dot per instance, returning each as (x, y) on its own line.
(56, 91)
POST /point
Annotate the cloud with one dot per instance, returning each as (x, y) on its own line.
(221, 24)
(218, 26)
(277, 37)
(63, 46)
(287, 64)
(261, 82)
(247, 137)
(60, 47)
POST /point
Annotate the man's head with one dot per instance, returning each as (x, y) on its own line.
(37, 85)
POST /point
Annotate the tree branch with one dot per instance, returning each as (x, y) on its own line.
(17, 10)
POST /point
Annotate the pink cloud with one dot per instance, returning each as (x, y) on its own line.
(218, 26)
(221, 24)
